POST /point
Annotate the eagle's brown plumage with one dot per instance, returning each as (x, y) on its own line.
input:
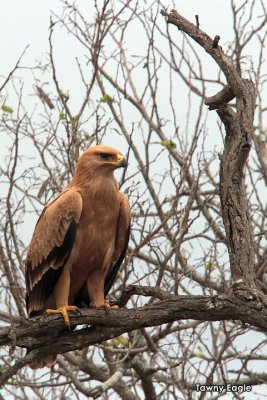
(79, 241)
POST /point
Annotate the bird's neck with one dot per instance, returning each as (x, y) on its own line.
(99, 185)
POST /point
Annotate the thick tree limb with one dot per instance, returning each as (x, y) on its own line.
(46, 335)
(239, 133)
(235, 208)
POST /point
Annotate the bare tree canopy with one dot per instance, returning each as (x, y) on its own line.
(192, 289)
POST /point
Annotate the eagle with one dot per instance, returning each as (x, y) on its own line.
(79, 241)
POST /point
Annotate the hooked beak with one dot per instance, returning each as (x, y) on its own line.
(121, 161)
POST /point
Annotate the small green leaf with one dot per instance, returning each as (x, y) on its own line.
(123, 341)
(106, 98)
(169, 144)
(200, 355)
(211, 266)
(62, 116)
(119, 342)
(7, 109)
(73, 121)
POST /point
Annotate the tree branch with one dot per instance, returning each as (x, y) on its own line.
(239, 133)
(205, 41)
(46, 335)
(221, 98)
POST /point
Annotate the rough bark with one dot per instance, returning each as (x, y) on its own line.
(46, 335)
(239, 132)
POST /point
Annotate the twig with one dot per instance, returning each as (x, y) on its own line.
(197, 21)
(14, 69)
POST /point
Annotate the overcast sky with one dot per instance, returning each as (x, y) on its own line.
(26, 22)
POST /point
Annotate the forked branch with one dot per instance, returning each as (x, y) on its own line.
(239, 132)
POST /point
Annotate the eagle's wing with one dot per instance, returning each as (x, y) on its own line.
(121, 243)
(50, 247)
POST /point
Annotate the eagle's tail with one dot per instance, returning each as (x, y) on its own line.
(46, 361)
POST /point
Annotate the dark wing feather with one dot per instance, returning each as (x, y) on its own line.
(115, 266)
(50, 248)
(41, 291)
(121, 242)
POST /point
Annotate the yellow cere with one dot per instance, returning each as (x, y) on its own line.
(119, 157)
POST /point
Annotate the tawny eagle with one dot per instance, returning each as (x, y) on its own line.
(79, 241)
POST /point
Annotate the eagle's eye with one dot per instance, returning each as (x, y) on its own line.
(105, 156)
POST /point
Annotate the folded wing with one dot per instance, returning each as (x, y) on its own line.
(50, 247)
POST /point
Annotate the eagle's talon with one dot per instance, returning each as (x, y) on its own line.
(105, 306)
(64, 312)
(114, 306)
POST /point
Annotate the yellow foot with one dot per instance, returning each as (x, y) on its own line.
(64, 312)
(105, 305)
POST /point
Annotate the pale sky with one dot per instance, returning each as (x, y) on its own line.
(26, 22)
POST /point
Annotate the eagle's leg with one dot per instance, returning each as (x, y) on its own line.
(95, 287)
(61, 297)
